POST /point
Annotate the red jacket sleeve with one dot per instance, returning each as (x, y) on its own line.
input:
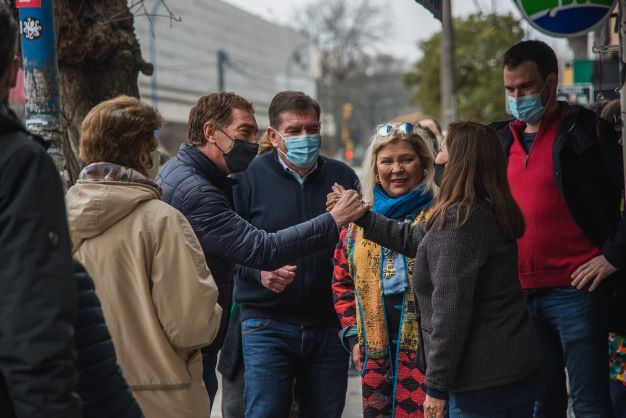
(343, 284)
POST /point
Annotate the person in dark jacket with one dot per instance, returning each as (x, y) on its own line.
(37, 290)
(481, 349)
(221, 140)
(101, 386)
(565, 171)
(289, 326)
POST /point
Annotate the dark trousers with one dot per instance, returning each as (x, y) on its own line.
(233, 405)
(209, 374)
(515, 400)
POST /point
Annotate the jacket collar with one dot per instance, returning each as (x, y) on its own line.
(204, 166)
(276, 164)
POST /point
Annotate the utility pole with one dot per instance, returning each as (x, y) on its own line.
(447, 65)
(41, 76)
(222, 59)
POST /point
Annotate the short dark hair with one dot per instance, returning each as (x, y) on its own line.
(8, 38)
(216, 108)
(292, 101)
(536, 51)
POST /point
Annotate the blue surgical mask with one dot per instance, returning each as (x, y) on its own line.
(302, 150)
(529, 108)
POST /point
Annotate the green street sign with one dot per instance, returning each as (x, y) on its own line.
(565, 18)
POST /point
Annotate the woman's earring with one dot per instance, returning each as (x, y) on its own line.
(425, 173)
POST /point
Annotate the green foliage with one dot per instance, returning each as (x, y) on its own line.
(481, 41)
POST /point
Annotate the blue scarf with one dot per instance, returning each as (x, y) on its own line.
(401, 207)
(393, 268)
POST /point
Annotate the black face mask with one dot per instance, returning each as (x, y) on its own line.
(240, 155)
(439, 169)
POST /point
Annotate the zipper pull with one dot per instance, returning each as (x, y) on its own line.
(526, 161)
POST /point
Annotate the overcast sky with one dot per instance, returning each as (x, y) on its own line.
(408, 21)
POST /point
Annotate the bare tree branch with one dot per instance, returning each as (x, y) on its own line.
(345, 31)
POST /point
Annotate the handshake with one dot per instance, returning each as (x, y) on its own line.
(345, 206)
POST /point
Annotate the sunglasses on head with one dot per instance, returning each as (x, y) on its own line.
(404, 128)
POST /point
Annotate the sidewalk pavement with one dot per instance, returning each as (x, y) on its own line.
(353, 408)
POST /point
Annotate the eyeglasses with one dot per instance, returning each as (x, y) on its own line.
(404, 128)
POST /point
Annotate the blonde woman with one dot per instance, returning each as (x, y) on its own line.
(372, 290)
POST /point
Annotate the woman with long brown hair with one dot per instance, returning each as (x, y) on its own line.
(481, 349)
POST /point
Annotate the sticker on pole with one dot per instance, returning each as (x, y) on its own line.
(565, 17)
(24, 4)
(31, 28)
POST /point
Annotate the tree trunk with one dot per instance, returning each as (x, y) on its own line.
(99, 58)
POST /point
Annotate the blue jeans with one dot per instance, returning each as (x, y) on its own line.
(572, 326)
(515, 400)
(276, 353)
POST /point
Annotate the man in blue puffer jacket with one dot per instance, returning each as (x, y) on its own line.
(221, 140)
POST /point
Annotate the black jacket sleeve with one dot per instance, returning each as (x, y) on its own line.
(614, 247)
(224, 232)
(37, 290)
(101, 386)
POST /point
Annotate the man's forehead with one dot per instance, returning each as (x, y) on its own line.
(298, 118)
(242, 118)
(527, 69)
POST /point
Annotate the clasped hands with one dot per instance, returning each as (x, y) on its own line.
(345, 206)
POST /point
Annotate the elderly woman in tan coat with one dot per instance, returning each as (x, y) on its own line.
(158, 296)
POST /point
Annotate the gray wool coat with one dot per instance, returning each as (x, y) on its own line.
(476, 329)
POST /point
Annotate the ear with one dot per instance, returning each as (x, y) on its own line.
(273, 137)
(208, 129)
(145, 160)
(553, 80)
